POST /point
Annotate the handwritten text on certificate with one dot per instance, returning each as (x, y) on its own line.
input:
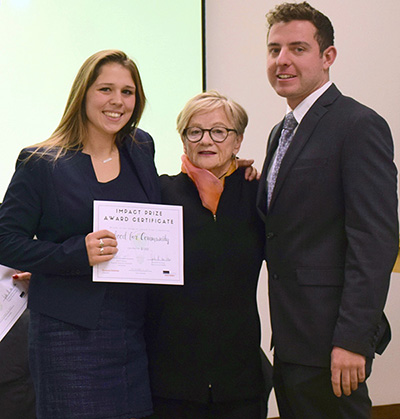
(150, 242)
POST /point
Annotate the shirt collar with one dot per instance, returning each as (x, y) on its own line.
(303, 107)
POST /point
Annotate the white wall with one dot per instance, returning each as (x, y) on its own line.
(367, 68)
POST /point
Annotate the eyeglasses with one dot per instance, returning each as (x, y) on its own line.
(217, 134)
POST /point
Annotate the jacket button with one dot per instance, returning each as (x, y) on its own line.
(270, 235)
(275, 276)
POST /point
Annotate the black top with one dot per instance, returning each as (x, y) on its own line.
(125, 187)
(205, 336)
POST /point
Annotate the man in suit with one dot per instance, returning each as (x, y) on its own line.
(328, 196)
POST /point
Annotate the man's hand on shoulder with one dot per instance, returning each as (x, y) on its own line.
(251, 172)
(347, 370)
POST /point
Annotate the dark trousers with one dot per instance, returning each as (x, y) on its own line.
(304, 392)
(17, 396)
(185, 409)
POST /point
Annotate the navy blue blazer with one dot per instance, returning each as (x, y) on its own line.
(332, 232)
(46, 199)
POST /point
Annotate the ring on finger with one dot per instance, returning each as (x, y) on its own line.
(101, 250)
(101, 243)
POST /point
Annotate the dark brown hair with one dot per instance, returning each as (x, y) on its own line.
(286, 12)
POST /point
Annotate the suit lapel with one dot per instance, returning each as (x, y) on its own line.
(144, 168)
(272, 145)
(302, 135)
(83, 165)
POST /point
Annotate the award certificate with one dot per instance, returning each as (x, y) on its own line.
(150, 242)
(13, 300)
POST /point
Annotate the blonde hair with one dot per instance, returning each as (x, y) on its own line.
(71, 132)
(207, 102)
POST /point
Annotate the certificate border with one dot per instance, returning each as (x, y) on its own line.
(176, 280)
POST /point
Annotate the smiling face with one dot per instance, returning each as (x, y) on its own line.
(215, 157)
(295, 65)
(110, 101)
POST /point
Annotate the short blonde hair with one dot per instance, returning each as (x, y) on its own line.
(209, 101)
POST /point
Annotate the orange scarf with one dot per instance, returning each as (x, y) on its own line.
(208, 185)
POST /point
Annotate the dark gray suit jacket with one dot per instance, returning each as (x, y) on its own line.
(332, 232)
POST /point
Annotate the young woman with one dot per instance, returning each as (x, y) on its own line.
(87, 351)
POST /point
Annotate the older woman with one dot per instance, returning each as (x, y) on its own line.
(204, 337)
(87, 350)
